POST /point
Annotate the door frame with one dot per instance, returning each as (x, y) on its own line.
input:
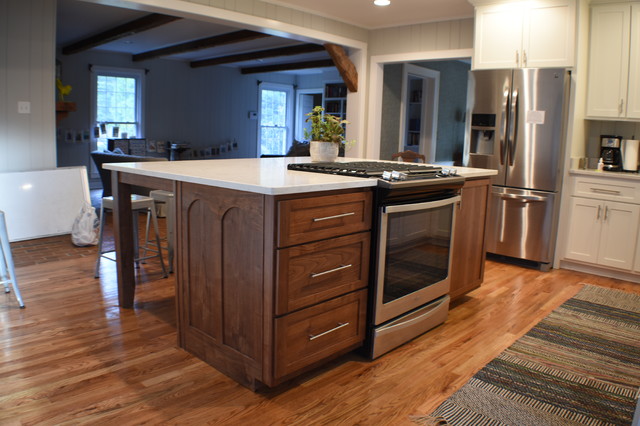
(299, 114)
(429, 113)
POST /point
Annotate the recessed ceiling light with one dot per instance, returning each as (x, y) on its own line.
(382, 2)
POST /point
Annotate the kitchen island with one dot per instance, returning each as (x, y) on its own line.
(272, 264)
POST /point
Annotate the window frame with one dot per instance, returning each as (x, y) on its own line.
(135, 73)
(288, 88)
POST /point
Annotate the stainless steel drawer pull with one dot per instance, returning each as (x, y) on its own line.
(319, 219)
(605, 191)
(339, 268)
(340, 325)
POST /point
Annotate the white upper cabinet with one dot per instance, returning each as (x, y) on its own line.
(633, 100)
(608, 60)
(525, 34)
(614, 62)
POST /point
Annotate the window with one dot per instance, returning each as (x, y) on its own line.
(275, 119)
(116, 103)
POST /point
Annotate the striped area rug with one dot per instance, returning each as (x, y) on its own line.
(578, 366)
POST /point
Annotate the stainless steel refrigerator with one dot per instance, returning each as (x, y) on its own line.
(516, 124)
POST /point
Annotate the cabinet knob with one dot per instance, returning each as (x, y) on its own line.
(524, 57)
(620, 106)
(517, 58)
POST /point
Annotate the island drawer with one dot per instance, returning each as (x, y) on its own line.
(313, 272)
(309, 219)
(313, 334)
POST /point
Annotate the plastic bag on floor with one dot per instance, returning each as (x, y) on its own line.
(84, 231)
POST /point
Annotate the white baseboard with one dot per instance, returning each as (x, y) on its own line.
(600, 271)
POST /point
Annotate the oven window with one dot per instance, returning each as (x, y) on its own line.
(417, 250)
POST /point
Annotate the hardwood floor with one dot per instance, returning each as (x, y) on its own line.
(73, 356)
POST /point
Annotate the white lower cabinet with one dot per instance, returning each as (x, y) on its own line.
(600, 232)
(604, 232)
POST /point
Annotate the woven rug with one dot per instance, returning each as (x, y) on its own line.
(579, 365)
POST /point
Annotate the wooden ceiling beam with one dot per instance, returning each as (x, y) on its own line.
(345, 67)
(136, 26)
(262, 54)
(289, 66)
(204, 43)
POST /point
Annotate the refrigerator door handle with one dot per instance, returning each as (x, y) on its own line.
(523, 198)
(505, 121)
(513, 126)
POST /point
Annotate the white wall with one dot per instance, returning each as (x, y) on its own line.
(203, 106)
(284, 14)
(27, 69)
(445, 35)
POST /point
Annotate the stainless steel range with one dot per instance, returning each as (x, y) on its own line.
(414, 213)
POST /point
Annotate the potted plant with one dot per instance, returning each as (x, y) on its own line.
(326, 135)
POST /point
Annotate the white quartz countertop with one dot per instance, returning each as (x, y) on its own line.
(260, 175)
(606, 175)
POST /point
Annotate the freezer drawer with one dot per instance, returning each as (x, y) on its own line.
(522, 224)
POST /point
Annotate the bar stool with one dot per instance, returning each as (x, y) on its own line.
(139, 203)
(7, 270)
(166, 199)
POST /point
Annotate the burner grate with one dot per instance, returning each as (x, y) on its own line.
(368, 168)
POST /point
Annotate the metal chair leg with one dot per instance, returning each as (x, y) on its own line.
(7, 262)
(155, 226)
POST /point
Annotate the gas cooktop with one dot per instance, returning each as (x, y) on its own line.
(390, 173)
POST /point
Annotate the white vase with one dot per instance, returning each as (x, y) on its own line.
(323, 151)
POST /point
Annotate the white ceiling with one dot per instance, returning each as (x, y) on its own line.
(364, 13)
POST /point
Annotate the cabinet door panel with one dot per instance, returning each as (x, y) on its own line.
(467, 264)
(617, 240)
(498, 38)
(633, 98)
(608, 60)
(636, 262)
(219, 289)
(548, 38)
(584, 230)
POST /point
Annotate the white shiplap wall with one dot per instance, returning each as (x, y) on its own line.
(27, 69)
(444, 35)
(288, 15)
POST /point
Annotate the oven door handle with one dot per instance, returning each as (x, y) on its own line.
(420, 206)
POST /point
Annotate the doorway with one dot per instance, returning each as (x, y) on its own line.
(306, 99)
(419, 111)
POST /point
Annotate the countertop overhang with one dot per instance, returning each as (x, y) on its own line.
(268, 176)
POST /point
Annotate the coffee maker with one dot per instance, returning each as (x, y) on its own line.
(610, 152)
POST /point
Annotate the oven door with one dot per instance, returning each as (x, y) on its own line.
(414, 255)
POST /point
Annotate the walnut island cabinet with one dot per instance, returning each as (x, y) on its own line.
(272, 265)
(270, 286)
